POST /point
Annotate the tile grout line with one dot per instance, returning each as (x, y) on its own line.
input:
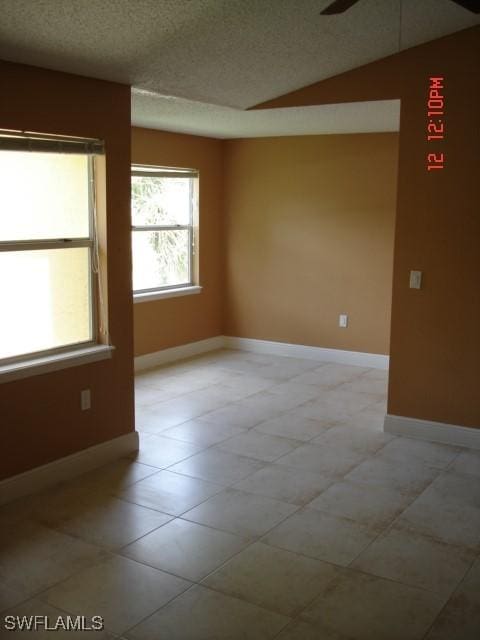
(447, 601)
(230, 486)
(115, 552)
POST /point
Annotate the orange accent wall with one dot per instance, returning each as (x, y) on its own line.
(174, 321)
(40, 417)
(435, 337)
(309, 235)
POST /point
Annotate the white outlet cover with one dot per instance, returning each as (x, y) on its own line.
(85, 399)
(415, 279)
(343, 320)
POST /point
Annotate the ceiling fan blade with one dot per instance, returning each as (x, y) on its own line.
(470, 5)
(338, 6)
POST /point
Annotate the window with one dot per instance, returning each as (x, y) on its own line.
(47, 245)
(164, 223)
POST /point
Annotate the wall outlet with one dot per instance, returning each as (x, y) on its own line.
(343, 320)
(85, 399)
(415, 279)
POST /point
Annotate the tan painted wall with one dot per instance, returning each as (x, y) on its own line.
(435, 338)
(40, 417)
(167, 323)
(435, 372)
(310, 225)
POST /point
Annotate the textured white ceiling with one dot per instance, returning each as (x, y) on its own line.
(185, 116)
(234, 53)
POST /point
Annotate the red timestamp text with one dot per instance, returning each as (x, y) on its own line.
(435, 132)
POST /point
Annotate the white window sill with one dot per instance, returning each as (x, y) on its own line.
(167, 293)
(47, 364)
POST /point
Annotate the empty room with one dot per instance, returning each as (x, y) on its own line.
(239, 327)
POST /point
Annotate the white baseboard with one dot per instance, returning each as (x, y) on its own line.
(151, 360)
(373, 360)
(432, 431)
(65, 468)
(157, 358)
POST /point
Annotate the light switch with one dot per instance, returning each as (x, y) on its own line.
(415, 279)
(85, 400)
(343, 320)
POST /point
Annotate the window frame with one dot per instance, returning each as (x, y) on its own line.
(153, 171)
(40, 143)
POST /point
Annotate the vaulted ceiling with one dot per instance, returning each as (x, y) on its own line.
(195, 65)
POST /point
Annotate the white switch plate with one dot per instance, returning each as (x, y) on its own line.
(343, 320)
(85, 399)
(415, 279)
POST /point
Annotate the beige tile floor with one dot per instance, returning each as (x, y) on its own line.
(265, 502)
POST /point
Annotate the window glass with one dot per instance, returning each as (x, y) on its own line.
(161, 200)
(164, 212)
(160, 258)
(45, 300)
(46, 257)
(43, 195)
